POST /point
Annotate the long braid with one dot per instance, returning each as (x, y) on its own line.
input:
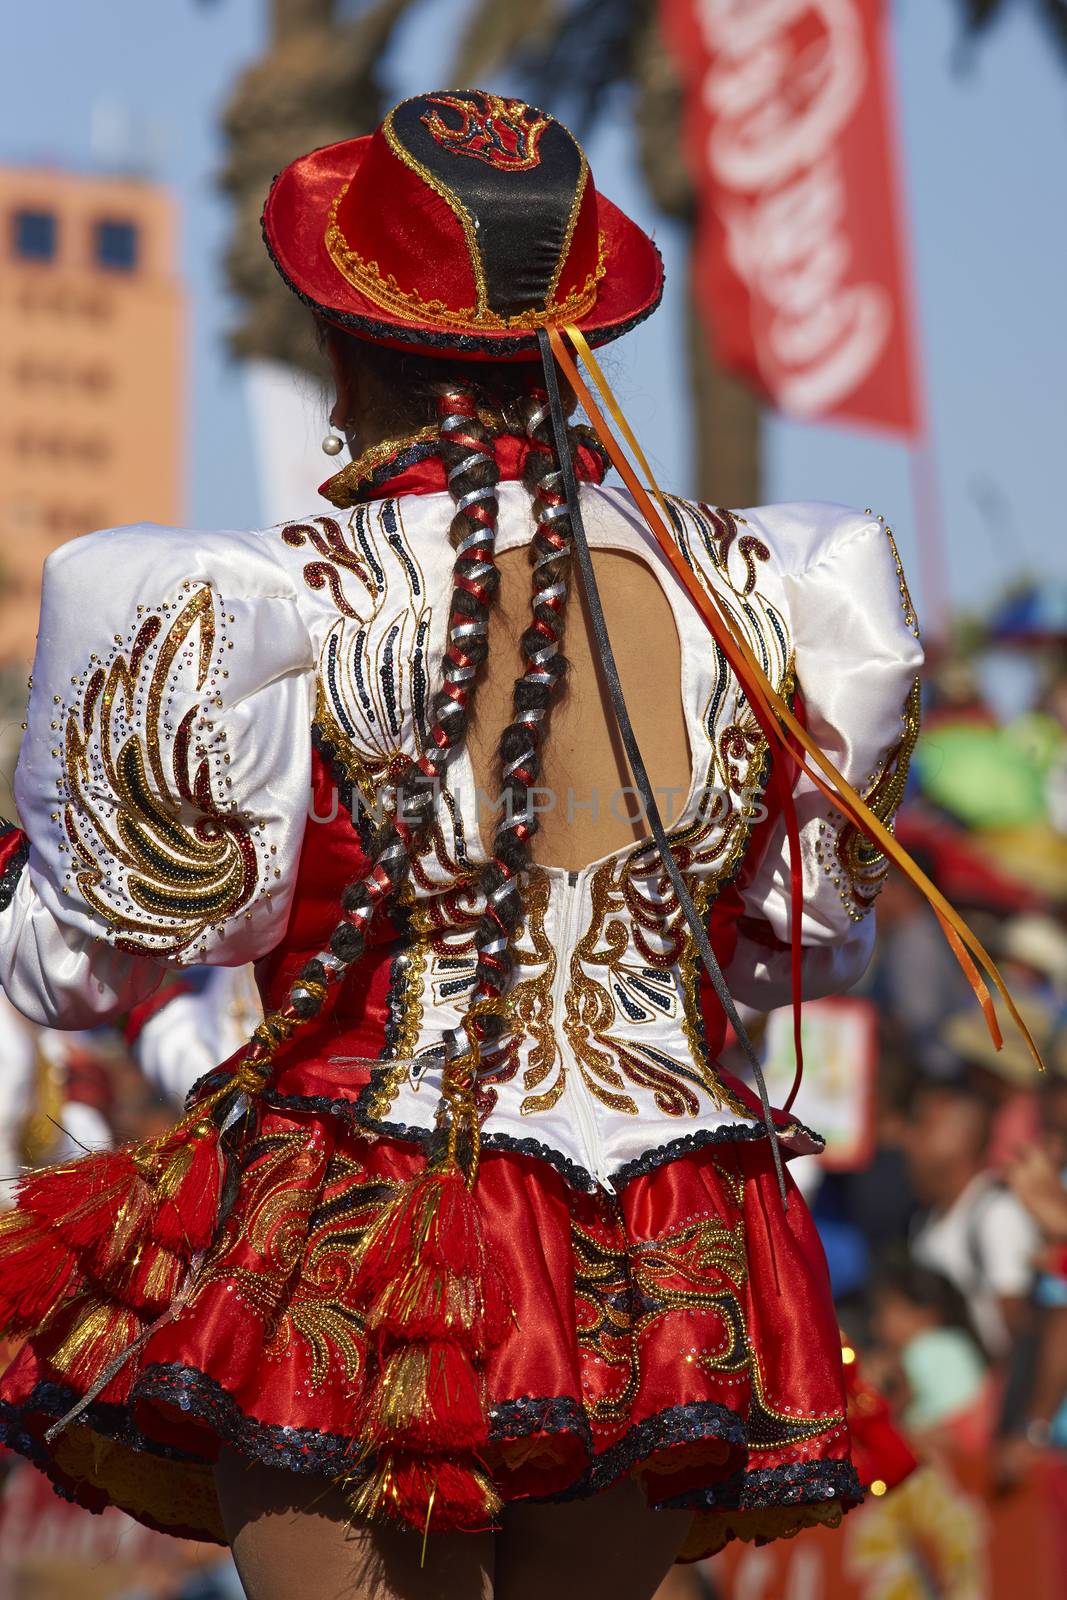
(434, 1300)
(522, 741)
(466, 447)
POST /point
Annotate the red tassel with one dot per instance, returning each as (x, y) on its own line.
(497, 1309)
(37, 1272)
(431, 1496)
(91, 1332)
(436, 1304)
(423, 1270)
(150, 1283)
(184, 1220)
(127, 1222)
(428, 1397)
(96, 1203)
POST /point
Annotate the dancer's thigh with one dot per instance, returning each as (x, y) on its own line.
(609, 1547)
(292, 1539)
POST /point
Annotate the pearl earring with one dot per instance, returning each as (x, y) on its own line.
(333, 444)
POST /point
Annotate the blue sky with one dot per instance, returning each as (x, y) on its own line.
(985, 152)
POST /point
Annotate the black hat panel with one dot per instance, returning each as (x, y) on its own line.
(516, 172)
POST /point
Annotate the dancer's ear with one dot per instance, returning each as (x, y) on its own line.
(349, 404)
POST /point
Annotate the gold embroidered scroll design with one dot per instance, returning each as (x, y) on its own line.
(158, 858)
(857, 867)
(625, 968)
(505, 134)
(290, 1254)
(624, 1288)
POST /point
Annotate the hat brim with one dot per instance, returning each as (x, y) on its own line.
(294, 229)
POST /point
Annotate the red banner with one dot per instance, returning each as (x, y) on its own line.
(800, 261)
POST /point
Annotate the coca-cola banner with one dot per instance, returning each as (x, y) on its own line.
(800, 257)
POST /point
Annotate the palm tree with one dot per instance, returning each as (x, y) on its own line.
(582, 52)
(318, 81)
(321, 80)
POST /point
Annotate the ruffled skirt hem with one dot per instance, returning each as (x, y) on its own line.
(107, 1460)
(681, 1333)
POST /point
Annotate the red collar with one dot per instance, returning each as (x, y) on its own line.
(413, 466)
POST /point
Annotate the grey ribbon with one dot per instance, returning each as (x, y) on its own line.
(633, 755)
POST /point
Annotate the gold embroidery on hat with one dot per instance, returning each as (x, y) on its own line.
(572, 223)
(383, 289)
(455, 204)
(485, 127)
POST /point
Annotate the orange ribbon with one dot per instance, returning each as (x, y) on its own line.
(764, 698)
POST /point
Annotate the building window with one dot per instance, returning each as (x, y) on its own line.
(115, 246)
(34, 235)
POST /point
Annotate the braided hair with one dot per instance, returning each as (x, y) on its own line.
(466, 448)
(544, 669)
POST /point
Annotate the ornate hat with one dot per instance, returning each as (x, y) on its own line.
(464, 224)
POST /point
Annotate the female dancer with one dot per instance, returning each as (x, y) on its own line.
(474, 1270)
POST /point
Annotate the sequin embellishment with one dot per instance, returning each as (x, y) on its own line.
(156, 853)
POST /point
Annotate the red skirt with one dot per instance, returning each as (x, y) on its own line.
(682, 1332)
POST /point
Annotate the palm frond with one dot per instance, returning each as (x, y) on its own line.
(496, 34)
(1055, 15)
(590, 53)
(979, 15)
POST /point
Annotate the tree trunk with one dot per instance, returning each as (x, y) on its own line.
(726, 424)
(290, 17)
(317, 82)
(725, 412)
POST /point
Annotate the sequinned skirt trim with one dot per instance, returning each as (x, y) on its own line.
(14, 854)
(681, 1332)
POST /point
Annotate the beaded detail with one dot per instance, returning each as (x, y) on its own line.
(165, 857)
(797, 1483)
(15, 864)
(856, 866)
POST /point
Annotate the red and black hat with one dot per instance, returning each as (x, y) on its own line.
(464, 224)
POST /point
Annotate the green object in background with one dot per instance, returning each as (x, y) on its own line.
(945, 1373)
(990, 777)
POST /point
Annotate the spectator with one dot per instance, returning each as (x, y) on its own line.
(921, 1321)
(1038, 1177)
(974, 1231)
(1006, 1077)
(1034, 954)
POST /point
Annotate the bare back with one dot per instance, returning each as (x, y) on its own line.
(584, 770)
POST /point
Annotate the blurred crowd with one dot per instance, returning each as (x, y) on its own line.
(947, 1248)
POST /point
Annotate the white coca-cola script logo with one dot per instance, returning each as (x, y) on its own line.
(784, 79)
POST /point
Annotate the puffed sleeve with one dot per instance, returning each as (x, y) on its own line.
(185, 1032)
(857, 656)
(163, 780)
